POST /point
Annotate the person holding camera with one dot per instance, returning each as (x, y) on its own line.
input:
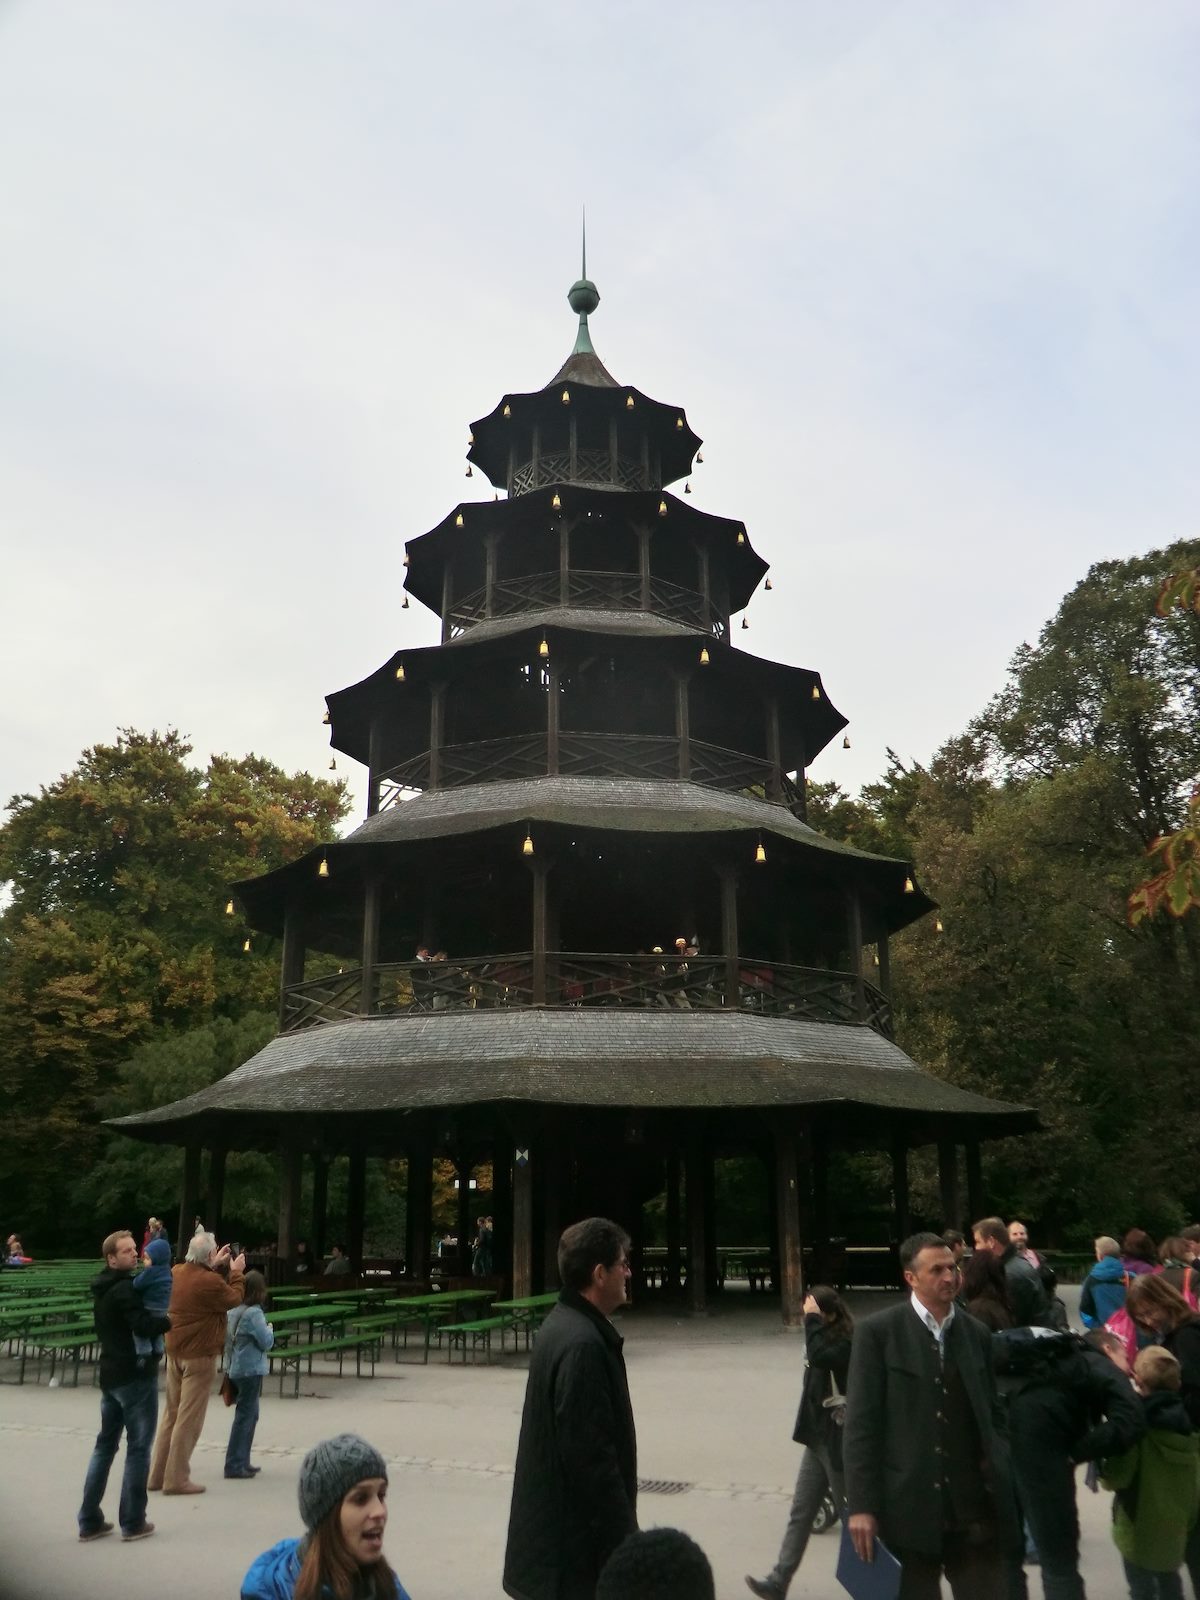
(200, 1297)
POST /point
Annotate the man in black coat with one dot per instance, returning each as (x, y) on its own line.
(128, 1393)
(575, 1487)
(926, 1465)
(1067, 1403)
(1028, 1298)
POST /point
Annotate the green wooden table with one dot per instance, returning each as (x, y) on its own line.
(431, 1308)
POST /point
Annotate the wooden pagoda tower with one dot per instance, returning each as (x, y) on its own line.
(594, 804)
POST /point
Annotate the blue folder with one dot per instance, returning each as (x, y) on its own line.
(867, 1580)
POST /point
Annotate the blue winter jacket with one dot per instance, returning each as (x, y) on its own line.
(1103, 1292)
(248, 1337)
(273, 1576)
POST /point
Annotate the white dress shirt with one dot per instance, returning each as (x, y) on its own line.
(936, 1328)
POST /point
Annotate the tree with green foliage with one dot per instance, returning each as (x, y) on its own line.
(115, 935)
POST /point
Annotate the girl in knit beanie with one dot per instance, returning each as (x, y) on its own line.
(343, 1504)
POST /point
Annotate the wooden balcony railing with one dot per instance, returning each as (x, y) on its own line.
(589, 466)
(589, 591)
(573, 980)
(588, 755)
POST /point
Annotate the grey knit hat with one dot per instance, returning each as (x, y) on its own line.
(331, 1469)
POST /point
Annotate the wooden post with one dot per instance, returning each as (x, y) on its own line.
(564, 561)
(705, 585)
(854, 938)
(291, 967)
(645, 460)
(729, 932)
(552, 709)
(775, 780)
(447, 598)
(522, 1222)
(489, 574)
(188, 1197)
(372, 900)
(614, 473)
(216, 1189)
(502, 1211)
(374, 761)
(437, 732)
(537, 870)
(947, 1152)
(289, 1203)
(976, 1204)
(787, 1191)
(643, 535)
(320, 1204)
(802, 783)
(463, 1171)
(419, 1199)
(550, 1155)
(697, 1279)
(573, 438)
(819, 1145)
(356, 1205)
(901, 1220)
(535, 455)
(683, 726)
(673, 1219)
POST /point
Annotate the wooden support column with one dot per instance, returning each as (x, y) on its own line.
(552, 709)
(819, 1146)
(535, 455)
(901, 1219)
(537, 869)
(320, 1205)
(189, 1196)
(614, 471)
(976, 1204)
(729, 932)
(437, 732)
(673, 1219)
(683, 724)
(522, 1222)
(705, 584)
(290, 1159)
(573, 446)
(550, 1155)
(374, 762)
(502, 1211)
(419, 1204)
(356, 1206)
(463, 1171)
(787, 1203)
(489, 574)
(947, 1152)
(643, 535)
(774, 759)
(854, 938)
(564, 562)
(646, 460)
(697, 1280)
(372, 901)
(447, 598)
(215, 1204)
(291, 967)
(802, 783)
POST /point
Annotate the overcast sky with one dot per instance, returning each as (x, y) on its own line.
(925, 277)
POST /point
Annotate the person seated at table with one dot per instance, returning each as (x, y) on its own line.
(14, 1255)
(338, 1265)
(343, 1505)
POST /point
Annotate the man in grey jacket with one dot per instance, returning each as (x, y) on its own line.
(1028, 1299)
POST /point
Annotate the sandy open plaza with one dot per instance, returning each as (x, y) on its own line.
(714, 1400)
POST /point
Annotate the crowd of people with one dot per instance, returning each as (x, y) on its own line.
(948, 1427)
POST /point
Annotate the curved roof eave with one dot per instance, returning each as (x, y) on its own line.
(717, 1060)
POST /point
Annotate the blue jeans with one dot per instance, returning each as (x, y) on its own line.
(245, 1420)
(134, 1408)
(1147, 1585)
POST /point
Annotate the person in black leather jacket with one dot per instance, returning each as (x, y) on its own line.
(828, 1330)
(1066, 1404)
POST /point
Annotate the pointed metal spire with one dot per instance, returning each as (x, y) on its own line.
(583, 297)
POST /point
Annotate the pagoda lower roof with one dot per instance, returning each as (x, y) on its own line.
(685, 1060)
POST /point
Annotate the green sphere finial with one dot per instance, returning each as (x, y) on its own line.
(583, 296)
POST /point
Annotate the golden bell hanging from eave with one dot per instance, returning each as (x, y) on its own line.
(816, 691)
(544, 649)
(555, 503)
(741, 538)
(662, 508)
(507, 412)
(468, 473)
(939, 926)
(229, 908)
(527, 847)
(322, 868)
(333, 765)
(760, 854)
(246, 947)
(629, 402)
(458, 521)
(404, 604)
(704, 656)
(406, 562)
(768, 586)
(699, 459)
(679, 424)
(687, 488)
(400, 673)
(325, 720)
(745, 625)
(846, 742)
(909, 886)
(566, 397)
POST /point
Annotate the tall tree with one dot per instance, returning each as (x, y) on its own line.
(116, 930)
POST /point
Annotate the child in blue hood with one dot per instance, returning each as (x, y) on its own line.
(343, 1504)
(153, 1288)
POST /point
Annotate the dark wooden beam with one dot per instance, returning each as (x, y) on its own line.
(552, 709)
(976, 1204)
(900, 1214)
(683, 723)
(372, 902)
(522, 1221)
(729, 931)
(290, 1159)
(216, 1189)
(564, 562)
(291, 967)
(189, 1196)
(643, 538)
(437, 732)
(854, 937)
(674, 1217)
(489, 574)
(374, 738)
(787, 1192)
(447, 597)
(356, 1205)
(419, 1203)
(537, 870)
(320, 1204)
(775, 781)
(695, 1158)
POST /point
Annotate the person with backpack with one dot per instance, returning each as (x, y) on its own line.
(1103, 1291)
(1066, 1404)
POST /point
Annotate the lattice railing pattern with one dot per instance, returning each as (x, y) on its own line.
(591, 466)
(622, 755)
(591, 591)
(655, 982)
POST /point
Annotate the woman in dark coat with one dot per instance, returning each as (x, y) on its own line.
(985, 1291)
(828, 1330)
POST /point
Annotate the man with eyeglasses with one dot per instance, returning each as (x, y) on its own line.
(575, 1486)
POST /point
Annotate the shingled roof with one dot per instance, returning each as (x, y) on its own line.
(576, 1058)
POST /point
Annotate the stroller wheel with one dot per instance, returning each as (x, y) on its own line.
(827, 1515)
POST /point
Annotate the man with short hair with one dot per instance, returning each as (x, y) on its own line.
(1103, 1291)
(128, 1393)
(575, 1486)
(1018, 1237)
(1027, 1297)
(658, 1564)
(339, 1264)
(925, 1462)
(200, 1297)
